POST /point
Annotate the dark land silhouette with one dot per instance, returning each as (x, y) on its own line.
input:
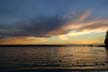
(106, 40)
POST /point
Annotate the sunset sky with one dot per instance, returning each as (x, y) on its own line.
(53, 21)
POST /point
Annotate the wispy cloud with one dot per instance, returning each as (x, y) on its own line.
(84, 23)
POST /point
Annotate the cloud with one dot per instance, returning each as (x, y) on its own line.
(55, 25)
(99, 24)
(83, 22)
(40, 27)
(23, 40)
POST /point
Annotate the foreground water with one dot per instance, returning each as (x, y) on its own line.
(74, 58)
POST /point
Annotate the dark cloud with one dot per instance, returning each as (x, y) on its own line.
(39, 27)
(53, 25)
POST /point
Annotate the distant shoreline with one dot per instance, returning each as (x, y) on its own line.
(45, 45)
(31, 45)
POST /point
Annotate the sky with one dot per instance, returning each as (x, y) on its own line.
(53, 21)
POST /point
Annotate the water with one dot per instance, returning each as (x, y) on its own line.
(27, 58)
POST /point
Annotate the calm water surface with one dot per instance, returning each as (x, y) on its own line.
(53, 57)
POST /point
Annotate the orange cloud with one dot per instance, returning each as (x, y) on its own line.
(23, 40)
(82, 24)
